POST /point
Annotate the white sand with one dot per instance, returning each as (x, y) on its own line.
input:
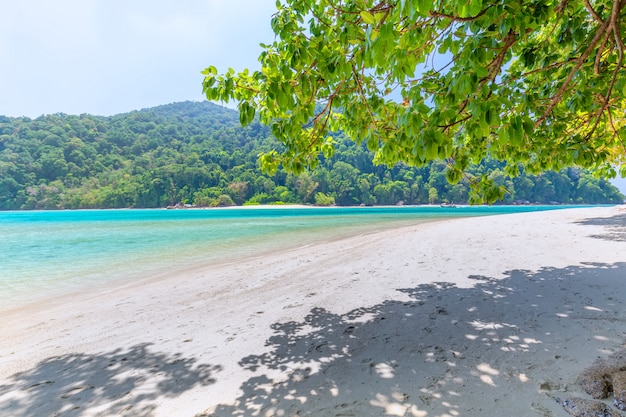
(489, 316)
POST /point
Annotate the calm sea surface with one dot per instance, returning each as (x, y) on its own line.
(45, 253)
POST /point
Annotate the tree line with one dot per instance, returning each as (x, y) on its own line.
(197, 153)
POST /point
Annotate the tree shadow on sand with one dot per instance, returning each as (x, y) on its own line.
(443, 351)
(614, 226)
(120, 382)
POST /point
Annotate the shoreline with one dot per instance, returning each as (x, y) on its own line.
(312, 206)
(24, 299)
(203, 254)
(96, 289)
(459, 316)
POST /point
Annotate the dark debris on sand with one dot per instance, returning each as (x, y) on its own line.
(604, 377)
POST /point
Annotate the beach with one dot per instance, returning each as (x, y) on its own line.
(493, 315)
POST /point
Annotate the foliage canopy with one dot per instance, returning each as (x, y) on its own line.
(539, 84)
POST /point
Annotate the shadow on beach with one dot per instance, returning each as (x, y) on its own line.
(449, 351)
(120, 382)
(615, 227)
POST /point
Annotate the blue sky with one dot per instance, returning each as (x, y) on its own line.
(106, 57)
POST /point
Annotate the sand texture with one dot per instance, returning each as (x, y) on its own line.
(489, 316)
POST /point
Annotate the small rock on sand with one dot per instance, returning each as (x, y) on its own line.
(619, 390)
(579, 407)
(597, 379)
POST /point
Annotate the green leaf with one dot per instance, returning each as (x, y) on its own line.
(453, 175)
(529, 126)
(463, 9)
(402, 4)
(503, 135)
(424, 7)
(246, 113)
(374, 34)
(368, 17)
(475, 7)
(432, 150)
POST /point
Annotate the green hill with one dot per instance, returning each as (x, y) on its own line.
(197, 153)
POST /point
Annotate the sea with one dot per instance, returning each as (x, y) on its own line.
(49, 253)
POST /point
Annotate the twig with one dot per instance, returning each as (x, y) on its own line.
(549, 67)
(360, 88)
(456, 18)
(596, 64)
(616, 134)
(593, 12)
(509, 41)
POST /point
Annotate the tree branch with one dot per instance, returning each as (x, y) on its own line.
(614, 26)
(579, 63)
(456, 18)
(456, 122)
(509, 40)
(549, 67)
(357, 80)
(615, 133)
(596, 64)
(559, 9)
(593, 12)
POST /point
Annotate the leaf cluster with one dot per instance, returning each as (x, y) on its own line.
(535, 84)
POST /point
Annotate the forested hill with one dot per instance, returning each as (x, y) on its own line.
(197, 153)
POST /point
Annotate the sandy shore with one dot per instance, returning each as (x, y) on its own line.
(467, 317)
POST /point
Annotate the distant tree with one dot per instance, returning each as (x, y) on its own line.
(238, 191)
(223, 200)
(322, 199)
(433, 195)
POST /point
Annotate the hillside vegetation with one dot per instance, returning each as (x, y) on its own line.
(197, 153)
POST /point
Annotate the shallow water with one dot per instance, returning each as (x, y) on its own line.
(46, 253)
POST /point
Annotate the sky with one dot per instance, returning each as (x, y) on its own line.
(105, 57)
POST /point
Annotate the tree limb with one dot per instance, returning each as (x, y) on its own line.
(357, 80)
(592, 12)
(614, 26)
(456, 18)
(509, 40)
(579, 63)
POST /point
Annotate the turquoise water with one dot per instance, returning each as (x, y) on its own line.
(45, 253)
